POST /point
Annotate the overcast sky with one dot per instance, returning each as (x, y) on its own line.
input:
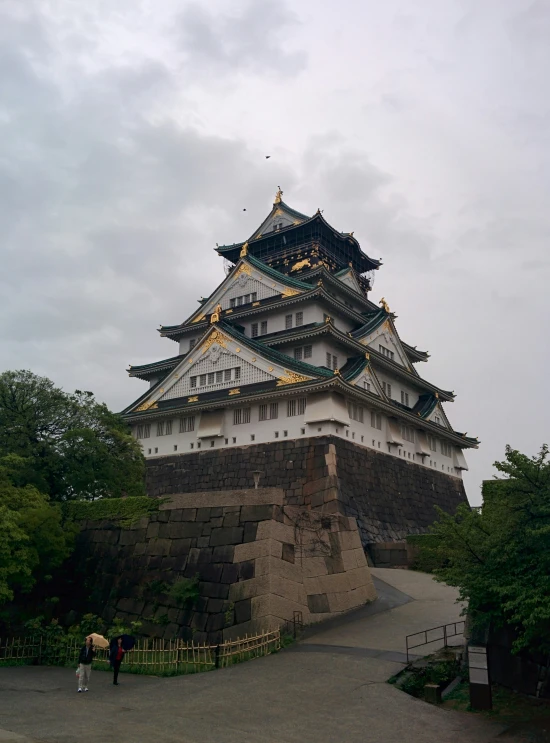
(134, 133)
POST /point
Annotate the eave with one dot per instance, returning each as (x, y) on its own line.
(334, 382)
(145, 371)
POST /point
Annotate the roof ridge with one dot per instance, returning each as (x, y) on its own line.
(274, 273)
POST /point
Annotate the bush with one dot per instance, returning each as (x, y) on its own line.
(185, 591)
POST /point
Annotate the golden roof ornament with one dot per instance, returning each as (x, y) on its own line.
(384, 305)
(244, 251)
(215, 317)
(278, 196)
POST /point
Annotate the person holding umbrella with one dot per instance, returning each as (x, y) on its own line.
(85, 658)
(119, 646)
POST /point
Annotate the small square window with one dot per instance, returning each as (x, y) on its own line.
(276, 434)
(202, 380)
(212, 443)
(227, 375)
(252, 437)
(299, 319)
(288, 322)
(308, 352)
(148, 451)
(353, 434)
(320, 428)
(379, 445)
(191, 446)
(211, 378)
(234, 440)
(285, 433)
(347, 432)
(198, 444)
(362, 439)
(227, 441)
(193, 381)
(254, 330)
(302, 431)
(156, 450)
(175, 447)
(219, 377)
(254, 296)
(232, 302)
(247, 298)
(263, 327)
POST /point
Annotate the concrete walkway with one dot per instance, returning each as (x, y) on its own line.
(330, 688)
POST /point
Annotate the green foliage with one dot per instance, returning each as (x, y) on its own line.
(424, 558)
(185, 591)
(126, 511)
(73, 446)
(33, 540)
(499, 557)
(414, 680)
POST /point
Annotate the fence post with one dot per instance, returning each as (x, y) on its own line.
(217, 657)
(444, 635)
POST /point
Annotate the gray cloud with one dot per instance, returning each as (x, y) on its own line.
(131, 141)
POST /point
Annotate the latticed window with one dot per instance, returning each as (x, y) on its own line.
(146, 430)
(366, 385)
(407, 432)
(386, 352)
(329, 360)
(386, 386)
(219, 376)
(298, 354)
(302, 405)
(237, 372)
(446, 449)
(405, 398)
(268, 412)
(211, 378)
(254, 296)
(433, 443)
(254, 330)
(241, 415)
(168, 428)
(274, 410)
(160, 428)
(193, 381)
(262, 415)
(376, 420)
(139, 432)
(232, 302)
(299, 319)
(187, 424)
(202, 380)
(308, 352)
(227, 375)
(288, 322)
(291, 408)
(263, 328)
(355, 412)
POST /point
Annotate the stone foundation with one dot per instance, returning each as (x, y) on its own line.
(257, 560)
(389, 497)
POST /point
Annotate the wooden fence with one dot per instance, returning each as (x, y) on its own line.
(153, 656)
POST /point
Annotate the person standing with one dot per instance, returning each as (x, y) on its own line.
(116, 657)
(85, 658)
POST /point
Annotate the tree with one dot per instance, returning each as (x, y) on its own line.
(73, 447)
(499, 557)
(33, 539)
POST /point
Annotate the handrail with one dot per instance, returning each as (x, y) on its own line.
(445, 637)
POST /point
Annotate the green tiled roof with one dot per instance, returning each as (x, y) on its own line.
(375, 319)
(353, 368)
(277, 275)
(425, 405)
(275, 356)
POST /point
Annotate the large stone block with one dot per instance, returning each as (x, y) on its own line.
(223, 536)
(318, 603)
(256, 513)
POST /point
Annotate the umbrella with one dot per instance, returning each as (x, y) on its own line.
(128, 641)
(99, 641)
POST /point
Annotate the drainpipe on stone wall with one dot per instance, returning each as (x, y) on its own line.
(256, 474)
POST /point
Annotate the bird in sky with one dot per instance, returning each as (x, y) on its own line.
(244, 210)
(267, 157)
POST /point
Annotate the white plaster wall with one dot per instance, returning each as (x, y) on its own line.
(185, 343)
(398, 384)
(294, 427)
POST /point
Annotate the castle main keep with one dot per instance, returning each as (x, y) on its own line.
(288, 361)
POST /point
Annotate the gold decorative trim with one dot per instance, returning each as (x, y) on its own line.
(215, 316)
(270, 368)
(253, 358)
(243, 268)
(200, 318)
(195, 398)
(228, 312)
(235, 391)
(215, 337)
(244, 250)
(148, 405)
(255, 304)
(290, 292)
(291, 378)
(190, 361)
(237, 350)
(278, 195)
(384, 305)
(301, 264)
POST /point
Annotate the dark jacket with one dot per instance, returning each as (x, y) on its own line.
(86, 657)
(113, 653)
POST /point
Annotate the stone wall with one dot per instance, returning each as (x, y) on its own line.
(257, 560)
(390, 498)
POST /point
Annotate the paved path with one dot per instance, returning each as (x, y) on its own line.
(330, 688)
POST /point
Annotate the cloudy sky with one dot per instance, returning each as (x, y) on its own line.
(133, 133)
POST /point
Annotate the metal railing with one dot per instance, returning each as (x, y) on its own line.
(445, 635)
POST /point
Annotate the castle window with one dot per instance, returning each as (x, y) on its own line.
(168, 428)
(387, 388)
(232, 302)
(247, 298)
(239, 301)
(211, 378)
(376, 420)
(386, 352)
(157, 451)
(407, 432)
(298, 353)
(296, 407)
(405, 398)
(139, 432)
(302, 401)
(148, 451)
(192, 343)
(433, 443)
(437, 420)
(291, 408)
(212, 442)
(241, 415)
(227, 375)
(302, 431)
(252, 437)
(191, 446)
(308, 352)
(175, 447)
(254, 296)
(269, 412)
(146, 430)
(202, 380)
(193, 381)
(446, 449)
(332, 361)
(355, 412)
(254, 330)
(219, 376)
(237, 372)
(276, 434)
(263, 327)
(366, 385)
(288, 322)
(187, 424)
(299, 319)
